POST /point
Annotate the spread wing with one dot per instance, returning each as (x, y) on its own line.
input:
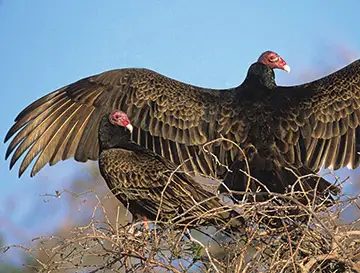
(170, 117)
(319, 121)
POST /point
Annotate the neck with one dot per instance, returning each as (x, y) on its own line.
(112, 136)
(260, 75)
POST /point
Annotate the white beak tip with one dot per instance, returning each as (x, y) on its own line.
(287, 68)
(129, 127)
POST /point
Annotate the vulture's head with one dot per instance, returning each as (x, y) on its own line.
(115, 129)
(262, 73)
(273, 60)
(119, 118)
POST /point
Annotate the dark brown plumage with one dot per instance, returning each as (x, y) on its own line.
(148, 184)
(300, 127)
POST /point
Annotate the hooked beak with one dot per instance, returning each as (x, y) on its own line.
(129, 127)
(286, 68)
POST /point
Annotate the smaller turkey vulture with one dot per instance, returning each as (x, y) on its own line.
(144, 181)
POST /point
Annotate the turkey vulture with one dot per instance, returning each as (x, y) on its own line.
(297, 128)
(144, 182)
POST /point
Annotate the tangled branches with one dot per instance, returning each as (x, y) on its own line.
(312, 240)
(277, 235)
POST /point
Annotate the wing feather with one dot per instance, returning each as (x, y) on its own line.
(162, 110)
(327, 112)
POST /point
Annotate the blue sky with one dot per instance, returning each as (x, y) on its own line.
(47, 44)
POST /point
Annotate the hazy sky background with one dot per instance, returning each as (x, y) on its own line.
(46, 44)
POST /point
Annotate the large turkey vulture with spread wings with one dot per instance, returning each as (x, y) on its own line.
(148, 184)
(300, 128)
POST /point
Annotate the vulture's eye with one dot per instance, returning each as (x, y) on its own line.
(273, 58)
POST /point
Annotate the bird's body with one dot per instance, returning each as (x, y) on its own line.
(138, 179)
(148, 184)
(300, 127)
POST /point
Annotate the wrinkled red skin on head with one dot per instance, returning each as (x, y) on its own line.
(267, 59)
(119, 118)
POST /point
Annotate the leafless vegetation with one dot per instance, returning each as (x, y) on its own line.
(277, 235)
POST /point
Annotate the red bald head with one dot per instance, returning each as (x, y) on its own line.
(273, 60)
(119, 118)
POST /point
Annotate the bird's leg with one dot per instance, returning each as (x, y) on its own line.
(145, 221)
(135, 222)
(138, 220)
(132, 225)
